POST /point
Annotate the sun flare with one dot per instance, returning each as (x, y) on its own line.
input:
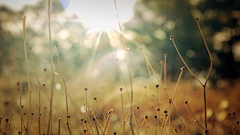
(101, 14)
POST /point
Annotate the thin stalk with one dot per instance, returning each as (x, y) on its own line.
(129, 71)
(59, 122)
(96, 126)
(145, 119)
(104, 117)
(65, 87)
(154, 72)
(8, 106)
(20, 90)
(39, 103)
(178, 80)
(109, 115)
(51, 59)
(30, 123)
(28, 78)
(181, 119)
(193, 115)
(164, 125)
(209, 72)
(117, 60)
(86, 106)
(1, 132)
(8, 132)
(47, 91)
(157, 95)
(123, 128)
(171, 38)
(96, 120)
(165, 71)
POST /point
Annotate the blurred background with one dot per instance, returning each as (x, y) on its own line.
(89, 39)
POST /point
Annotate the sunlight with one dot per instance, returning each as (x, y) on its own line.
(101, 14)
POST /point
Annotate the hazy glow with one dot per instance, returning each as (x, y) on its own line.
(58, 86)
(101, 14)
(120, 55)
(82, 109)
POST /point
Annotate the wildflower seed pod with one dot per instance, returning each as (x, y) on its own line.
(158, 109)
(110, 111)
(165, 55)
(81, 119)
(18, 83)
(145, 87)
(85, 121)
(57, 45)
(237, 122)
(19, 132)
(155, 116)
(140, 48)
(171, 37)
(68, 116)
(186, 102)
(121, 89)
(165, 111)
(44, 69)
(197, 19)
(157, 86)
(146, 117)
(84, 130)
(206, 131)
(137, 107)
(95, 98)
(86, 89)
(234, 113)
(93, 119)
(30, 48)
(44, 85)
(116, 59)
(115, 133)
(166, 114)
(32, 113)
(7, 120)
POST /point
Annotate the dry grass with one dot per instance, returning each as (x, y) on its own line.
(145, 109)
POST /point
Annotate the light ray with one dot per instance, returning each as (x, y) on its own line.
(92, 58)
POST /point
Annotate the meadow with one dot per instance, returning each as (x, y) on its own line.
(113, 97)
